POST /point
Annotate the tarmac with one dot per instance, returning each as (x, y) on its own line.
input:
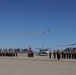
(39, 65)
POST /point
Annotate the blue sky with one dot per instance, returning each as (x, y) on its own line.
(30, 16)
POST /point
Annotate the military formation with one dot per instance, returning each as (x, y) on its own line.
(8, 53)
(14, 53)
(68, 53)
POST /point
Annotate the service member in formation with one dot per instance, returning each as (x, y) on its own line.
(67, 54)
(8, 53)
(75, 53)
(13, 53)
(62, 54)
(58, 54)
(1, 53)
(54, 53)
(49, 54)
(16, 53)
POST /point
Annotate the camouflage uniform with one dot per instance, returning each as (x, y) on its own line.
(75, 54)
(50, 54)
(62, 54)
(67, 53)
(58, 54)
(54, 53)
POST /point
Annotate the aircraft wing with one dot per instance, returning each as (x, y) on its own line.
(38, 48)
(67, 45)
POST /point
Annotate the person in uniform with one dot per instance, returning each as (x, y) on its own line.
(3, 53)
(8, 53)
(62, 54)
(30, 52)
(16, 53)
(13, 54)
(67, 53)
(54, 53)
(49, 54)
(0, 53)
(58, 54)
(75, 53)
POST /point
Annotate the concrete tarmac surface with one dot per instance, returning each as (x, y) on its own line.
(39, 65)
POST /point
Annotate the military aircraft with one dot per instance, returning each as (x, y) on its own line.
(43, 51)
(24, 34)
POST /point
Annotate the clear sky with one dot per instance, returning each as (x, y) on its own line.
(30, 16)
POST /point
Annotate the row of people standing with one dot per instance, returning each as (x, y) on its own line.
(56, 54)
(64, 54)
(69, 54)
(8, 53)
